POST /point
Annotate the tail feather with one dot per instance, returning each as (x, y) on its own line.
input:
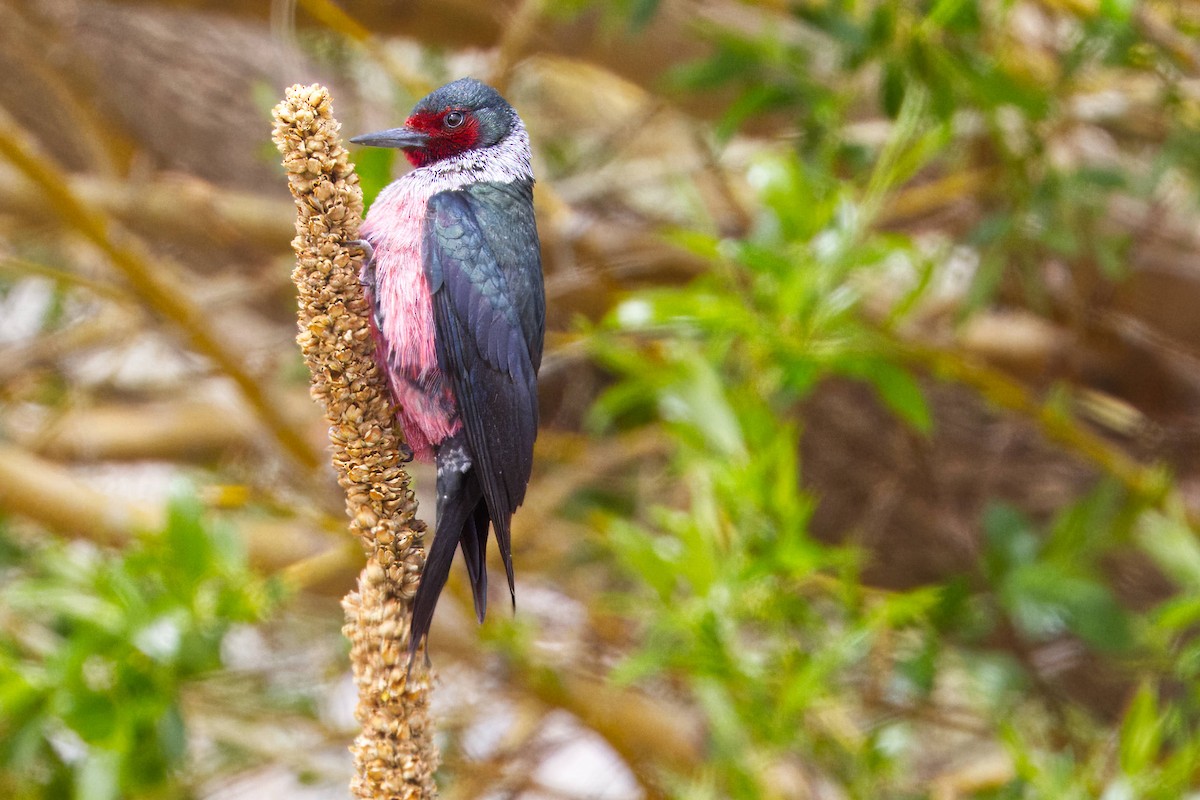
(433, 579)
(474, 550)
(459, 494)
(504, 540)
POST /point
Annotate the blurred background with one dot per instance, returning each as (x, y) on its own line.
(868, 464)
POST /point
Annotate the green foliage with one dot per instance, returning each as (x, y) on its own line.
(374, 168)
(97, 648)
(771, 633)
(627, 16)
(770, 630)
(1050, 584)
(1006, 102)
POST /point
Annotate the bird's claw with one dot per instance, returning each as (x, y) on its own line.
(365, 246)
(366, 276)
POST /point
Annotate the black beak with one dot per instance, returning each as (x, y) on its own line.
(401, 138)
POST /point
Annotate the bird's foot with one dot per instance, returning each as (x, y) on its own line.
(365, 246)
(366, 276)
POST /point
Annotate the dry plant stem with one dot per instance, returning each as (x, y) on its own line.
(43, 491)
(190, 208)
(517, 35)
(333, 17)
(145, 276)
(23, 266)
(60, 500)
(394, 755)
(1151, 484)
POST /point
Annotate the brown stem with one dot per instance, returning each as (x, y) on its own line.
(174, 207)
(41, 490)
(150, 280)
(394, 755)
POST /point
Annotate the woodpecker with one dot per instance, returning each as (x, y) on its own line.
(454, 277)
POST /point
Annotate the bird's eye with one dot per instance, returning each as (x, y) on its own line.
(453, 119)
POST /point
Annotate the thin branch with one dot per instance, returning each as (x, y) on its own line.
(333, 17)
(149, 279)
(56, 498)
(181, 430)
(172, 207)
(24, 267)
(1168, 36)
(49, 494)
(522, 25)
(1150, 484)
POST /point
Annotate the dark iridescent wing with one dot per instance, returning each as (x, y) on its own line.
(483, 263)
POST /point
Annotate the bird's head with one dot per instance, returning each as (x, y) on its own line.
(460, 116)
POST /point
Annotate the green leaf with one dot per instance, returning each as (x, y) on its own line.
(374, 168)
(1117, 10)
(896, 387)
(643, 555)
(892, 88)
(902, 394)
(99, 776)
(95, 717)
(735, 57)
(190, 550)
(1045, 602)
(882, 26)
(172, 734)
(1009, 538)
(640, 13)
(1141, 731)
(1087, 528)
(920, 668)
(1171, 542)
(700, 403)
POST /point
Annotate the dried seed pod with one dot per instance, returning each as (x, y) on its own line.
(395, 755)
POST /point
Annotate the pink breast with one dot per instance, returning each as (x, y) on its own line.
(407, 351)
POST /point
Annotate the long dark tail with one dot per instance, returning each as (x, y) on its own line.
(462, 519)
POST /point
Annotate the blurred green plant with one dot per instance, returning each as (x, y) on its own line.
(374, 168)
(1042, 123)
(799, 668)
(772, 634)
(769, 630)
(803, 674)
(97, 648)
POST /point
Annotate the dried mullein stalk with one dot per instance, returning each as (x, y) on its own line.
(394, 754)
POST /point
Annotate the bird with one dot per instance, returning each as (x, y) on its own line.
(453, 275)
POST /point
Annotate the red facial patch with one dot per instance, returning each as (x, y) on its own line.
(443, 141)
